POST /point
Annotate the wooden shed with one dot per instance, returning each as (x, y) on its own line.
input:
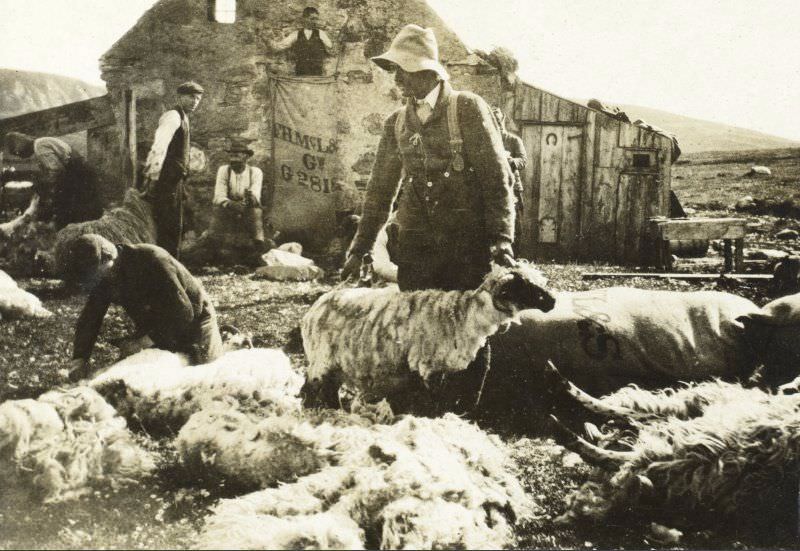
(592, 180)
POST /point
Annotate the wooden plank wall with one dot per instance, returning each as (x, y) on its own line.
(602, 203)
(62, 120)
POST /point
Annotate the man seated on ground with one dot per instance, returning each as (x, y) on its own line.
(67, 186)
(310, 45)
(165, 302)
(237, 200)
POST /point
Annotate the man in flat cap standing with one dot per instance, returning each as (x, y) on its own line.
(167, 166)
(456, 209)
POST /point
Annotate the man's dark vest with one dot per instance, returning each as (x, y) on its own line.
(177, 156)
(309, 54)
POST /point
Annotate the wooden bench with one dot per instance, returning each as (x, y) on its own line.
(731, 230)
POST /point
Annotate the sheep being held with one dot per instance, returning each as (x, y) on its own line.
(380, 340)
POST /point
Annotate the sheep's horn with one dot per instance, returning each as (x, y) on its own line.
(589, 402)
(606, 459)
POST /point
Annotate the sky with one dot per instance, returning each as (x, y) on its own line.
(730, 61)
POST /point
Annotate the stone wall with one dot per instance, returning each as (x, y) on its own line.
(175, 41)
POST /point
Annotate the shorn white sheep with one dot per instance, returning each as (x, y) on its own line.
(380, 340)
(159, 391)
(415, 484)
(66, 443)
(17, 303)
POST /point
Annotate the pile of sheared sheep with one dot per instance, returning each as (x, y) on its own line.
(321, 478)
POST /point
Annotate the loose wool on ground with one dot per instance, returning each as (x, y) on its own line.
(67, 443)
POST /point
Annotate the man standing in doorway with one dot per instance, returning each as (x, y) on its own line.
(167, 166)
(517, 160)
(310, 45)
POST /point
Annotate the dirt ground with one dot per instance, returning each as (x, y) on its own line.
(165, 512)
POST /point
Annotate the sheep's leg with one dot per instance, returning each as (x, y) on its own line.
(462, 391)
(323, 392)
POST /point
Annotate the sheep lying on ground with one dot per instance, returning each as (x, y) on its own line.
(159, 391)
(16, 303)
(381, 340)
(416, 484)
(67, 442)
(712, 453)
(604, 339)
(132, 222)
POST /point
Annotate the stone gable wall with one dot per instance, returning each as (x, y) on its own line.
(174, 42)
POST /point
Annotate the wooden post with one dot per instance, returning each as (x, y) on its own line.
(738, 254)
(131, 155)
(728, 255)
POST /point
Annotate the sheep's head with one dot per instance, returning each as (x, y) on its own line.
(520, 287)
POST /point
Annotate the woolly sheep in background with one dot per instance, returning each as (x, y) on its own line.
(130, 223)
(379, 340)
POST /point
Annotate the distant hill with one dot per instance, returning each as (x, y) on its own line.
(696, 135)
(24, 92)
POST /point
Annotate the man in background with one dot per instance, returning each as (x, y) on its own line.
(237, 198)
(67, 187)
(517, 160)
(310, 45)
(167, 166)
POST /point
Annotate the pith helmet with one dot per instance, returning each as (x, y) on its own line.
(413, 49)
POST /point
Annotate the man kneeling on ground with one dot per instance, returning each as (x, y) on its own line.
(165, 302)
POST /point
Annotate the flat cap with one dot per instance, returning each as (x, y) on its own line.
(190, 87)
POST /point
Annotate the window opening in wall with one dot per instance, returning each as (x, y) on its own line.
(222, 11)
(641, 160)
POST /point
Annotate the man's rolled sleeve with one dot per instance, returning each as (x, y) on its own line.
(381, 190)
(256, 184)
(167, 125)
(483, 147)
(221, 186)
